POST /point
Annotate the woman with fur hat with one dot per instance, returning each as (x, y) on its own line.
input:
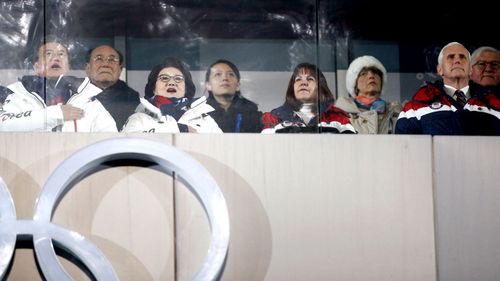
(169, 106)
(369, 113)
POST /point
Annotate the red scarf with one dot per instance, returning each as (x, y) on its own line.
(365, 100)
(160, 100)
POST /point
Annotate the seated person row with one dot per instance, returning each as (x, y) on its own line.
(104, 65)
(465, 102)
(172, 97)
(52, 101)
(233, 112)
(171, 90)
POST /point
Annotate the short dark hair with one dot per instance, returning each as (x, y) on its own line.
(88, 55)
(170, 62)
(49, 39)
(324, 93)
(226, 62)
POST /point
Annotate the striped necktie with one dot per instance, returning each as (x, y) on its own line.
(460, 97)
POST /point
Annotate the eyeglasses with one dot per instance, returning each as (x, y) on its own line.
(166, 78)
(102, 59)
(482, 64)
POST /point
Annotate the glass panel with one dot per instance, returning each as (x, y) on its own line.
(264, 39)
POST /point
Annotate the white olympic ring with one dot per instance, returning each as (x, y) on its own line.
(85, 162)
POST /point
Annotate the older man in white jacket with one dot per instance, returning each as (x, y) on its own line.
(51, 101)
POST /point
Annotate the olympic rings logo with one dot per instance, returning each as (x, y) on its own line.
(85, 162)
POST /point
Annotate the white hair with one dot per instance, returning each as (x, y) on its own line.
(481, 50)
(441, 54)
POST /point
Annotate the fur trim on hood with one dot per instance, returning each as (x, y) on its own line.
(356, 66)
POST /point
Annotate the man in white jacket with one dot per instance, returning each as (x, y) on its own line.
(104, 66)
(51, 101)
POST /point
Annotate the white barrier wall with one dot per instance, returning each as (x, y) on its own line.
(301, 207)
(467, 191)
(300, 211)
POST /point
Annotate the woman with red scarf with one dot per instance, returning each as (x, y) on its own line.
(369, 113)
(169, 106)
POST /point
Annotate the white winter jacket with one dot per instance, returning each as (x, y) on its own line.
(149, 119)
(26, 111)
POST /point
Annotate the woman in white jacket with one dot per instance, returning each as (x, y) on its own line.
(168, 105)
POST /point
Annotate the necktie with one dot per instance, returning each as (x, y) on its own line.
(460, 96)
